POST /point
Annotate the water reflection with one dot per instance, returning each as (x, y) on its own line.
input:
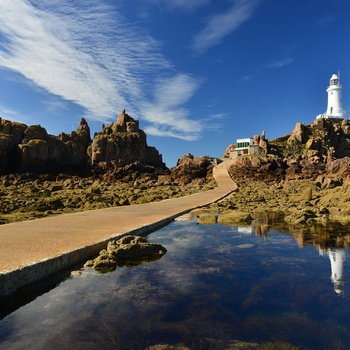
(331, 241)
(337, 257)
(216, 284)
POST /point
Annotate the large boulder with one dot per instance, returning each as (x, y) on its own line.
(258, 168)
(190, 168)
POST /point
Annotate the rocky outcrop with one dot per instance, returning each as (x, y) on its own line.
(262, 168)
(31, 149)
(308, 152)
(129, 250)
(190, 168)
(122, 143)
(320, 142)
(11, 135)
(339, 168)
(230, 148)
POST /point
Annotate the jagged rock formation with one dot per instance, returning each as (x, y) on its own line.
(268, 168)
(307, 152)
(122, 143)
(31, 149)
(320, 142)
(190, 168)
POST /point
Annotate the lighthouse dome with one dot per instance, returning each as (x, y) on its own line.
(334, 80)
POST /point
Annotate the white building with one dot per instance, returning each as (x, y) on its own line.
(244, 147)
(335, 101)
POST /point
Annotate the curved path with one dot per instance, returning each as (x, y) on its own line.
(32, 250)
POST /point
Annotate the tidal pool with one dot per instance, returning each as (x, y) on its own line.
(215, 284)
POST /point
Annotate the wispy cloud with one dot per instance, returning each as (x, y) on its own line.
(325, 22)
(223, 24)
(166, 110)
(218, 116)
(187, 5)
(247, 78)
(86, 53)
(281, 63)
(5, 111)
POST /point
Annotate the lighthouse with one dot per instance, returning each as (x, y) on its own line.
(335, 101)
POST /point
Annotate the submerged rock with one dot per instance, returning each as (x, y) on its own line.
(128, 250)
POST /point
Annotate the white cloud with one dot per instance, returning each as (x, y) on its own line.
(181, 4)
(218, 116)
(167, 113)
(85, 52)
(281, 63)
(223, 24)
(247, 78)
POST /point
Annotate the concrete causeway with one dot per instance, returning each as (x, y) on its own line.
(32, 250)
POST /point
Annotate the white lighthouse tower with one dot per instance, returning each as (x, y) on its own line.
(335, 101)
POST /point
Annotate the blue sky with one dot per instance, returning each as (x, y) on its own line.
(197, 74)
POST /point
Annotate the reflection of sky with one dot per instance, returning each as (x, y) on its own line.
(232, 268)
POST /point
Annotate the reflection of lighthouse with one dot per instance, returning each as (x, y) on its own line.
(337, 257)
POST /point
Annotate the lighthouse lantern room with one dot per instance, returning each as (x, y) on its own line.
(335, 101)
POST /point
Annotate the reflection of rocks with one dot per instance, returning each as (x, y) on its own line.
(128, 250)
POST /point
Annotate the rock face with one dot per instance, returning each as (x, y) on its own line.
(122, 143)
(190, 168)
(129, 250)
(259, 168)
(320, 142)
(31, 149)
(306, 153)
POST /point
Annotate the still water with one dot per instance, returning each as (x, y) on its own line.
(215, 284)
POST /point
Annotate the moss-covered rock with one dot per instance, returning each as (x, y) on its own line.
(207, 219)
(234, 217)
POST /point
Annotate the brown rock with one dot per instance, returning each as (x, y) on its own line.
(190, 168)
(122, 143)
(127, 249)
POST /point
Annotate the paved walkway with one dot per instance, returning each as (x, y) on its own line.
(32, 250)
